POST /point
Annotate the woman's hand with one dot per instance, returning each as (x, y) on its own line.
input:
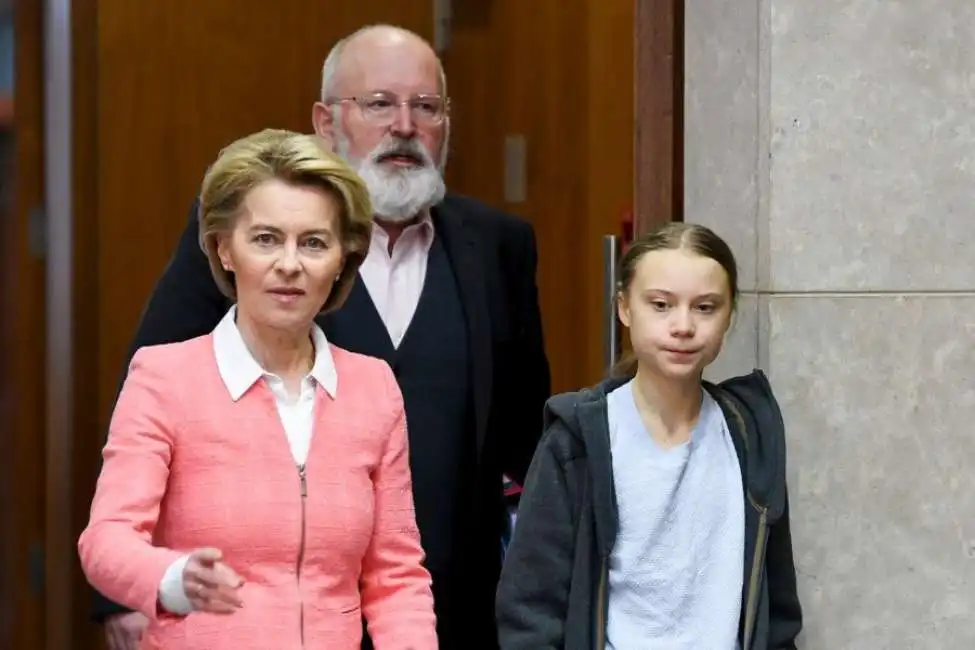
(211, 585)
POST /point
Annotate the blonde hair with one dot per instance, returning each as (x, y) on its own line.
(296, 159)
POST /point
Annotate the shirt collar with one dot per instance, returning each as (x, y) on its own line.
(239, 370)
(423, 230)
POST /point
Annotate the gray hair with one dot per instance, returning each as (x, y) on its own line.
(334, 58)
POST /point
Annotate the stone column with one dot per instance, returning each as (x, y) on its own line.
(833, 144)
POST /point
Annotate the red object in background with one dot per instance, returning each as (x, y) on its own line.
(626, 227)
(511, 488)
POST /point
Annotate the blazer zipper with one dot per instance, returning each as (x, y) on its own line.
(303, 482)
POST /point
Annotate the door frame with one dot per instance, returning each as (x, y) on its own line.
(659, 137)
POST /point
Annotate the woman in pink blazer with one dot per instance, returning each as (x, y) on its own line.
(255, 492)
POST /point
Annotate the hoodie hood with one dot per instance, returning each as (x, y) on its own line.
(583, 415)
(754, 421)
(564, 406)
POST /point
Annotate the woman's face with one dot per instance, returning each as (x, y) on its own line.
(285, 251)
(678, 308)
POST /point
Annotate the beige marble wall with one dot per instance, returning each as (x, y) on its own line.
(833, 144)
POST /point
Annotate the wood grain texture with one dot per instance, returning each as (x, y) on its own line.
(560, 74)
(22, 373)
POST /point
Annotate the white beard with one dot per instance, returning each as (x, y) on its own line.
(398, 194)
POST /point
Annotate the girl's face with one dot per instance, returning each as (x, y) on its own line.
(678, 309)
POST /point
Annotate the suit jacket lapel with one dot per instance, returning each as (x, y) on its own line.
(463, 249)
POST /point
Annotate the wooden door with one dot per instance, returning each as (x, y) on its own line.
(556, 76)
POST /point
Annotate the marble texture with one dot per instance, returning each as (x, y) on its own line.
(724, 156)
(873, 145)
(878, 394)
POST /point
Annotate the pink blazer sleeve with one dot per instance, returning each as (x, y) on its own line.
(116, 548)
(396, 597)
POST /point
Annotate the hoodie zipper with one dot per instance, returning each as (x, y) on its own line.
(761, 537)
(303, 483)
(601, 604)
(758, 561)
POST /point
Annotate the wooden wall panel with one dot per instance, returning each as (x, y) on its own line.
(22, 348)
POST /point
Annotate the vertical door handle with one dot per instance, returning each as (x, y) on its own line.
(611, 325)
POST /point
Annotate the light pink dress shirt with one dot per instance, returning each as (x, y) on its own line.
(395, 281)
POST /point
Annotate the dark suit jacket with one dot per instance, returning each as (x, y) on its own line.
(494, 257)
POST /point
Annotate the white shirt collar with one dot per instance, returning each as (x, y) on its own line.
(239, 370)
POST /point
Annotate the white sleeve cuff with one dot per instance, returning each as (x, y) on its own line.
(171, 594)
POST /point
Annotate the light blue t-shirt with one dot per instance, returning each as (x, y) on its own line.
(675, 573)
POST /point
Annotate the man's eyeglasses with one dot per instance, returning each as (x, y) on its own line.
(382, 109)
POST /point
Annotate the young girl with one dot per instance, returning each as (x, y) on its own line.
(655, 513)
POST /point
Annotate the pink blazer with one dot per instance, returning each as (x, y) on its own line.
(186, 467)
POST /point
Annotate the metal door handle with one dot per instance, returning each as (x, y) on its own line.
(611, 327)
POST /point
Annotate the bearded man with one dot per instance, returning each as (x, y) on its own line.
(447, 297)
